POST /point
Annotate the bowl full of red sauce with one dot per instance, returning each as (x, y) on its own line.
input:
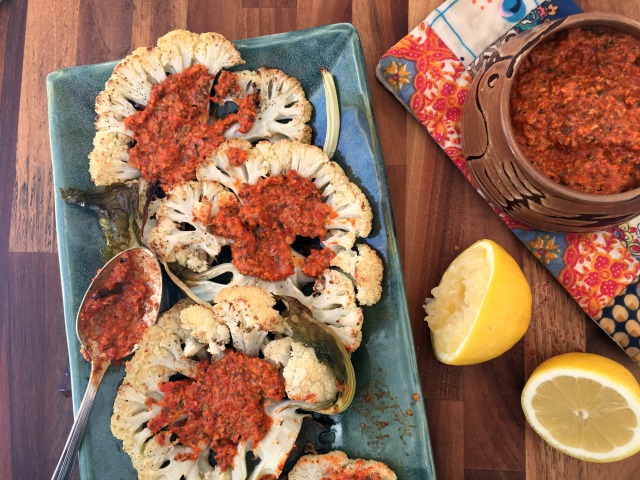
(551, 127)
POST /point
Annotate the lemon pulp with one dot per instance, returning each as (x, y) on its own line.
(586, 406)
(481, 307)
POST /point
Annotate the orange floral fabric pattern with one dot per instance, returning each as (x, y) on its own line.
(597, 268)
(440, 86)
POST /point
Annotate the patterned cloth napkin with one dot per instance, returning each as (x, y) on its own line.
(430, 71)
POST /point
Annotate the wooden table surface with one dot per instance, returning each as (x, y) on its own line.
(477, 427)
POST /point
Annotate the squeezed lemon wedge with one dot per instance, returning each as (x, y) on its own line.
(585, 405)
(481, 308)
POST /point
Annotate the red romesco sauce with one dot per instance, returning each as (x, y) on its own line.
(221, 406)
(575, 110)
(359, 472)
(174, 133)
(267, 220)
(237, 156)
(112, 318)
(317, 262)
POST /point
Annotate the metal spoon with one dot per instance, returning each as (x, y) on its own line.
(88, 328)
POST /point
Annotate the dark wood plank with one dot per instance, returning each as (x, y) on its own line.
(222, 16)
(49, 44)
(446, 424)
(492, 475)
(268, 3)
(493, 437)
(104, 33)
(152, 19)
(313, 14)
(266, 21)
(40, 415)
(12, 26)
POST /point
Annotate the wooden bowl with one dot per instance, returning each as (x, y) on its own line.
(496, 161)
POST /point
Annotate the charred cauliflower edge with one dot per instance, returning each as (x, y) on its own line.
(282, 112)
(243, 316)
(355, 276)
(319, 467)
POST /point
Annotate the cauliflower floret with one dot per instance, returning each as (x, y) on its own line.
(159, 357)
(204, 329)
(278, 351)
(178, 235)
(160, 353)
(283, 111)
(182, 49)
(274, 448)
(365, 268)
(339, 240)
(334, 303)
(133, 78)
(109, 160)
(307, 379)
(353, 212)
(129, 89)
(218, 167)
(129, 421)
(159, 463)
(249, 314)
(319, 467)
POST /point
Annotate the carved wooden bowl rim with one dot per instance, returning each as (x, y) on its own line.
(527, 42)
(596, 19)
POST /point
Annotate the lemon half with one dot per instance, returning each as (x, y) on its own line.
(585, 405)
(481, 308)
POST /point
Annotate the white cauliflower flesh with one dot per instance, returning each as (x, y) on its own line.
(130, 85)
(218, 167)
(336, 463)
(205, 330)
(306, 379)
(283, 110)
(163, 354)
(333, 300)
(249, 314)
(182, 49)
(334, 303)
(180, 235)
(278, 351)
(274, 448)
(109, 160)
(365, 268)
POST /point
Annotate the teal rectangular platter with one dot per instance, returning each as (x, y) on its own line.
(384, 422)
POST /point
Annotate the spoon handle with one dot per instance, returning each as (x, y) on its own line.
(67, 458)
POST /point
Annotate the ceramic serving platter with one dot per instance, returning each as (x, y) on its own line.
(385, 421)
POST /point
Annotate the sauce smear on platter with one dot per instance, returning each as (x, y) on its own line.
(575, 109)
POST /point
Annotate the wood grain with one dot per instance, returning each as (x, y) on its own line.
(49, 44)
(12, 26)
(477, 427)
